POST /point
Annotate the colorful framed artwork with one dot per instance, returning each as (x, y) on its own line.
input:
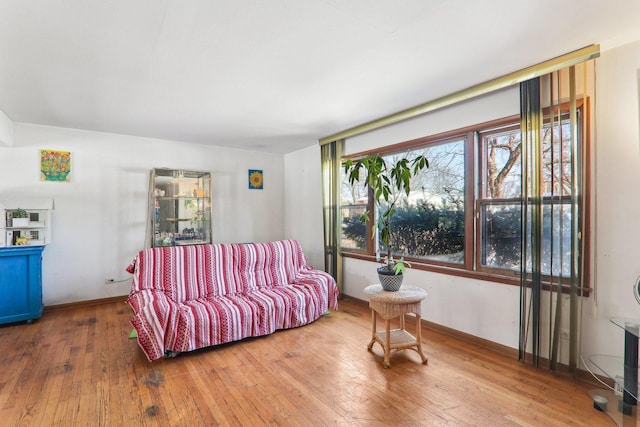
(55, 165)
(255, 179)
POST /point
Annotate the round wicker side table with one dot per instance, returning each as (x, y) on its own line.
(390, 305)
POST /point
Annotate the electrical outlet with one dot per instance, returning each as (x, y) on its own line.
(109, 281)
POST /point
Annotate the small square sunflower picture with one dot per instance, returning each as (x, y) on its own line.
(255, 179)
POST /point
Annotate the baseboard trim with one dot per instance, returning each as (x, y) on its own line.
(562, 369)
(86, 303)
(481, 342)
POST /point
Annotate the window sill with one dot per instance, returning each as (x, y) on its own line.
(513, 279)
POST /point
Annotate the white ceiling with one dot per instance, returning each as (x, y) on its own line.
(272, 75)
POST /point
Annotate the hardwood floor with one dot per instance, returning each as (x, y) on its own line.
(76, 367)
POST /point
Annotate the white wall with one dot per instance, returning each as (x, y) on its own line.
(481, 109)
(617, 245)
(99, 219)
(303, 202)
(6, 130)
(476, 307)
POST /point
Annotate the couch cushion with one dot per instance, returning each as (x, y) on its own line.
(268, 264)
(186, 272)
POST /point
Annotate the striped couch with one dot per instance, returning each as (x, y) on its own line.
(189, 297)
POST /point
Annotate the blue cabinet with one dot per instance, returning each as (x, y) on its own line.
(20, 283)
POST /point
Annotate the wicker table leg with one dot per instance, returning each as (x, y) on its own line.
(419, 339)
(387, 347)
(373, 332)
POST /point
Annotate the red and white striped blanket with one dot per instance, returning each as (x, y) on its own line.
(190, 297)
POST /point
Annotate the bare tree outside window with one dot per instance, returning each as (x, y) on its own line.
(500, 209)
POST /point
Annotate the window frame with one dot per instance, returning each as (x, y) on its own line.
(474, 169)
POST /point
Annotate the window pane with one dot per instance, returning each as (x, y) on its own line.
(429, 224)
(501, 246)
(354, 205)
(501, 242)
(502, 154)
(556, 158)
(556, 239)
(354, 232)
(500, 234)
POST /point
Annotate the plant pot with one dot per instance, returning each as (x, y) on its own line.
(389, 280)
(20, 222)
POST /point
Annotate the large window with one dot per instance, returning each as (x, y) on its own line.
(464, 212)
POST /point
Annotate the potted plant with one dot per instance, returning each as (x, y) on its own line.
(20, 218)
(388, 181)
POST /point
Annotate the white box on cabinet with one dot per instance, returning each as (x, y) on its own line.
(38, 225)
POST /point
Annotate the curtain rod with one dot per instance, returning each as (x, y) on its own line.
(566, 60)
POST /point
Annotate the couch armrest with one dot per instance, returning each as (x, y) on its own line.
(154, 319)
(310, 275)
